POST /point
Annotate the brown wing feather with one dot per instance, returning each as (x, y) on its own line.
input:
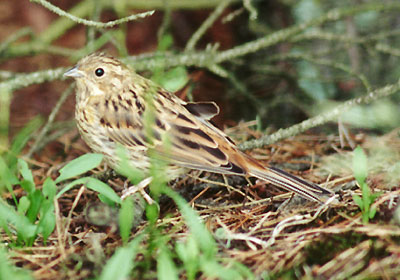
(196, 143)
(203, 110)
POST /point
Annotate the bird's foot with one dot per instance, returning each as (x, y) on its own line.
(139, 188)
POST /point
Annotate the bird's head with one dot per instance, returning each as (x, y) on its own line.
(98, 74)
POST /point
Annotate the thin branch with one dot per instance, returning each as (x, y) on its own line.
(4, 75)
(50, 120)
(287, 33)
(96, 24)
(322, 118)
(24, 80)
(206, 24)
(14, 37)
(250, 8)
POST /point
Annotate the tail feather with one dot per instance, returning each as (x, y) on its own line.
(290, 182)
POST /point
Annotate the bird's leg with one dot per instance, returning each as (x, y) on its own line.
(139, 188)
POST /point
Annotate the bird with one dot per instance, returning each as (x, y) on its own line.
(112, 102)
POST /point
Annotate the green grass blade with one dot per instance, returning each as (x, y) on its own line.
(166, 269)
(120, 265)
(79, 166)
(92, 184)
(205, 239)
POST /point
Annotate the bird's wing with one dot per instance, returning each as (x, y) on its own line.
(194, 141)
(178, 131)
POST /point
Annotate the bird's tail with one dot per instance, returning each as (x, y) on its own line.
(290, 182)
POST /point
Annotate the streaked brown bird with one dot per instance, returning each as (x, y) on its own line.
(111, 104)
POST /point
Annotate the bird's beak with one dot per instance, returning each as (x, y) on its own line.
(73, 73)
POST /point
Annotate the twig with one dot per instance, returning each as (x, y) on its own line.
(250, 8)
(206, 24)
(320, 119)
(50, 120)
(203, 58)
(287, 33)
(14, 37)
(69, 217)
(96, 24)
(67, 126)
(24, 80)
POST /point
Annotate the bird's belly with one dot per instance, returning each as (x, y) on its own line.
(96, 137)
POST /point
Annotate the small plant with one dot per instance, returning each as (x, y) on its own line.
(360, 169)
(26, 217)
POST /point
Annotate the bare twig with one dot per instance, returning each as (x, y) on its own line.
(50, 120)
(320, 119)
(97, 24)
(206, 24)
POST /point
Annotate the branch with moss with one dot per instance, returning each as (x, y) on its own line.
(84, 8)
(96, 24)
(322, 118)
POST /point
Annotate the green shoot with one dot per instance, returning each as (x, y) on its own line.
(120, 265)
(360, 169)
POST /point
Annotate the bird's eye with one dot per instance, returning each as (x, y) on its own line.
(99, 72)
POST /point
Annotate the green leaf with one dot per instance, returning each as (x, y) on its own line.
(49, 189)
(119, 266)
(214, 270)
(106, 200)
(197, 228)
(36, 198)
(372, 212)
(23, 205)
(166, 269)
(174, 79)
(366, 192)
(126, 218)
(374, 196)
(27, 186)
(7, 177)
(25, 171)
(360, 165)
(47, 222)
(24, 228)
(79, 166)
(189, 254)
(357, 199)
(152, 212)
(93, 184)
(104, 189)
